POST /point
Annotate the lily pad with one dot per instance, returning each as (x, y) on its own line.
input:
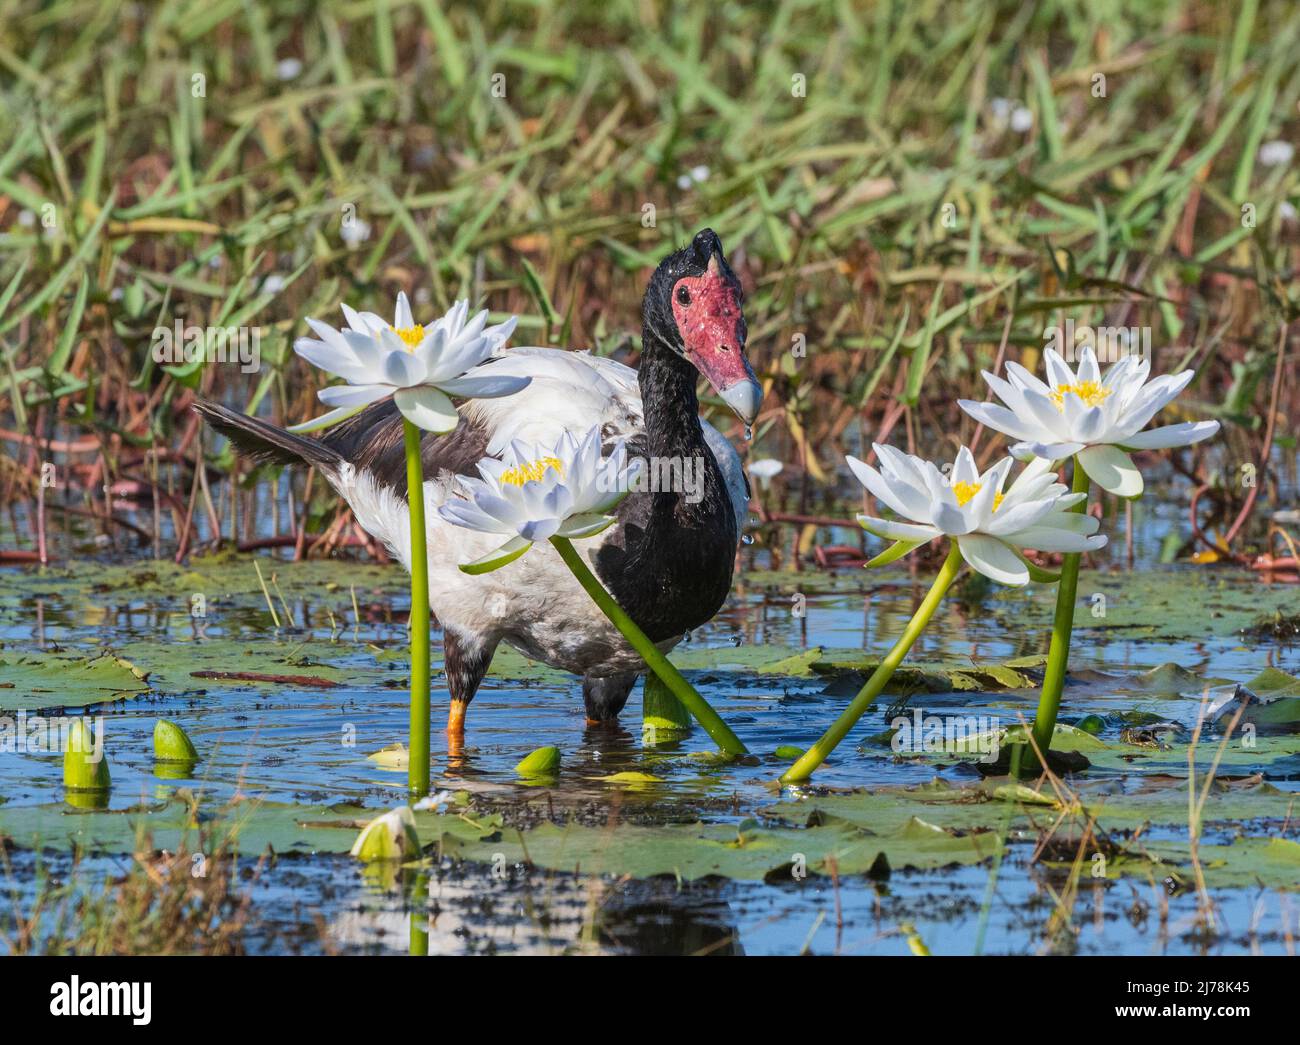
(252, 826)
(42, 680)
(750, 853)
(849, 671)
(1278, 708)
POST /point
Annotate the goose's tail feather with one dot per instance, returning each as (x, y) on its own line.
(268, 444)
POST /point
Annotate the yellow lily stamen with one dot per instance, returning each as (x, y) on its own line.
(412, 336)
(531, 471)
(1092, 393)
(966, 491)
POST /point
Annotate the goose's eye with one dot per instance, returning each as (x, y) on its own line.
(683, 296)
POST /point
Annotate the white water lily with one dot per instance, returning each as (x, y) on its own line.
(992, 529)
(765, 469)
(419, 366)
(534, 493)
(1098, 418)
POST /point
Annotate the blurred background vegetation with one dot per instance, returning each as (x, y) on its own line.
(910, 191)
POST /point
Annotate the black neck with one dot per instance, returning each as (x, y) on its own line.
(672, 409)
(673, 431)
(669, 564)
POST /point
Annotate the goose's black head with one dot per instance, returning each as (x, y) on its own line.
(693, 308)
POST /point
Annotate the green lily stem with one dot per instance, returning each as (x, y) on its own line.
(816, 754)
(1058, 653)
(658, 663)
(418, 768)
(419, 933)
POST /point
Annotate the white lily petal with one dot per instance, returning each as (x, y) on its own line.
(500, 334)
(1153, 398)
(334, 360)
(951, 519)
(507, 511)
(964, 469)
(1012, 394)
(1085, 423)
(1035, 471)
(474, 327)
(367, 349)
(426, 407)
(999, 418)
(1043, 411)
(898, 498)
(577, 526)
(936, 485)
(1169, 436)
(457, 358)
(897, 531)
(1112, 469)
(469, 515)
(1088, 369)
(539, 529)
(355, 321)
(899, 470)
(404, 319)
(1053, 539)
(1047, 451)
(402, 370)
(1008, 520)
(353, 395)
(979, 509)
(994, 559)
(1058, 370)
(485, 386)
(1023, 379)
(330, 336)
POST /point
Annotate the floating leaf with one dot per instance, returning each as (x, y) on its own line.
(394, 756)
(43, 679)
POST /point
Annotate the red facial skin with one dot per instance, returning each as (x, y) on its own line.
(709, 326)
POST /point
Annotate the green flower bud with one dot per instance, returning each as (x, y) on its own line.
(85, 768)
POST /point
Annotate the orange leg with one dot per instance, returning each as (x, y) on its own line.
(456, 727)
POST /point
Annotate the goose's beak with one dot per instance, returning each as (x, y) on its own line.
(725, 367)
(745, 397)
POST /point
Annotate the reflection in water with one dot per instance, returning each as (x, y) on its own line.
(452, 911)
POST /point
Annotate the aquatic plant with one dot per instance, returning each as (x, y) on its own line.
(390, 836)
(85, 767)
(1095, 420)
(563, 493)
(988, 529)
(420, 367)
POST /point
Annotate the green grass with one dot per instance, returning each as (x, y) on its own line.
(858, 174)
